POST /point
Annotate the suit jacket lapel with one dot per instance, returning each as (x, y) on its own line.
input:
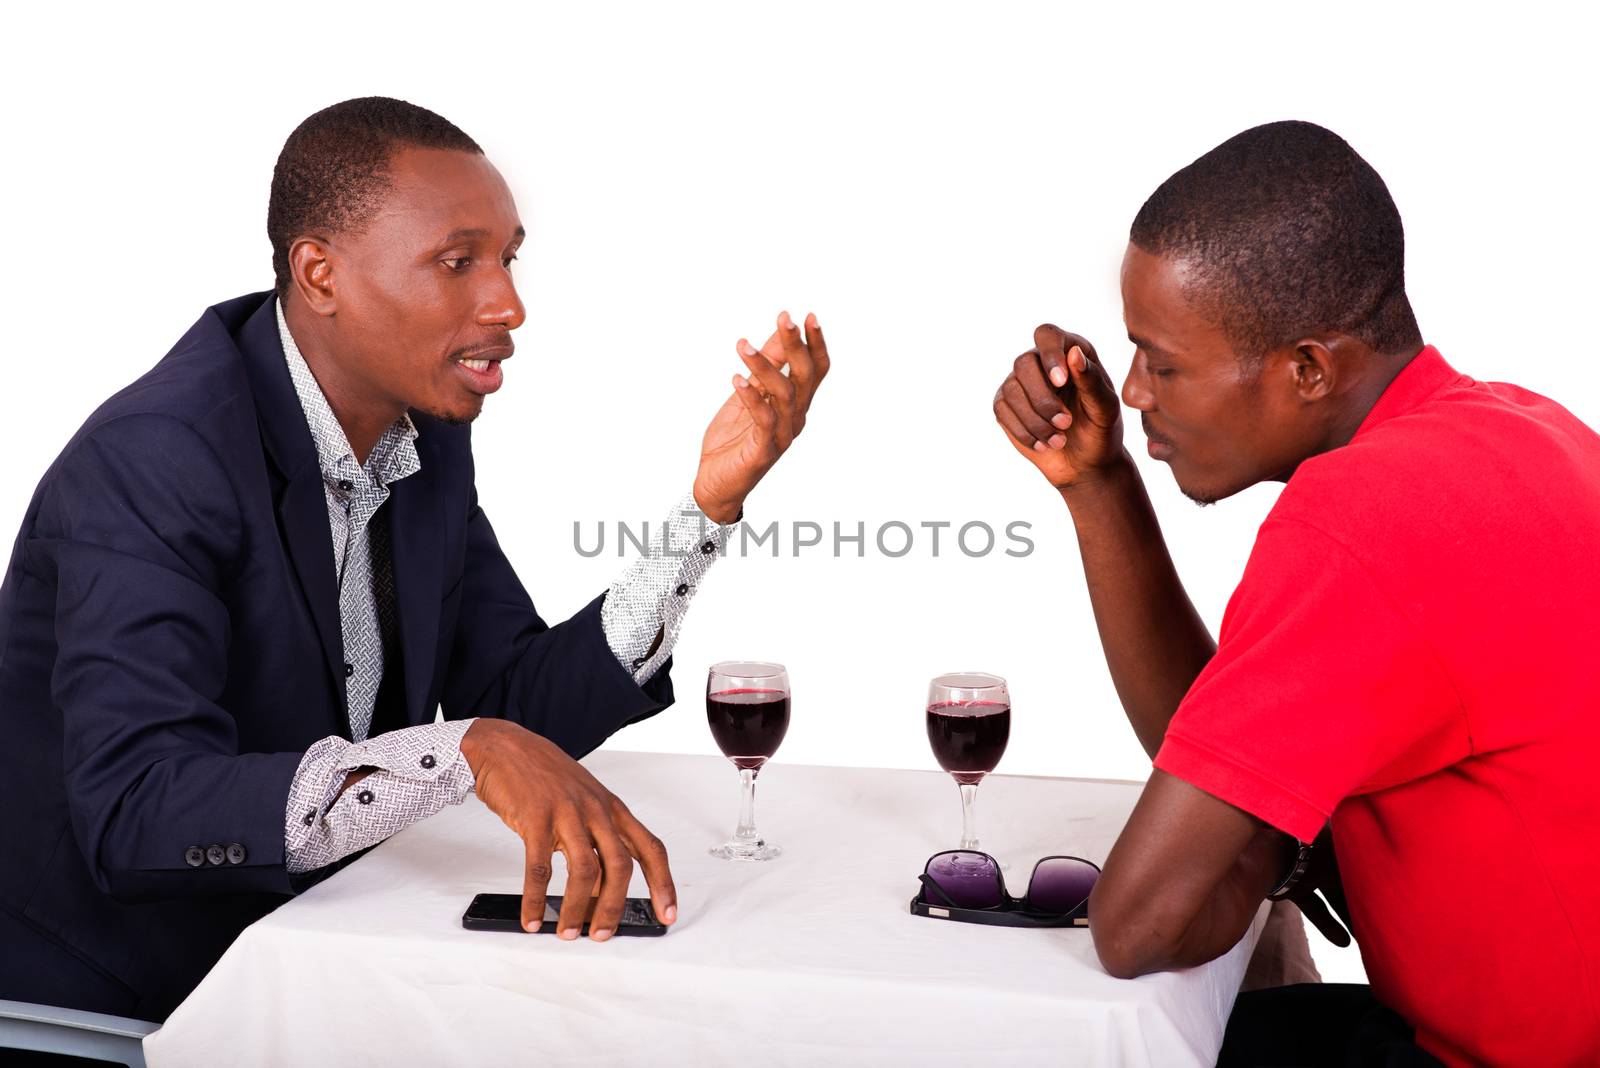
(416, 537)
(301, 501)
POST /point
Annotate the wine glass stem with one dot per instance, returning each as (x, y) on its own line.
(746, 831)
(969, 815)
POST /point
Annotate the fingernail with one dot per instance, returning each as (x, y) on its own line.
(1039, 446)
(669, 914)
(1056, 441)
(1060, 419)
(533, 928)
(600, 936)
(788, 323)
(741, 381)
(570, 933)
(747, 348)
(1058, 377)
(1080, 363)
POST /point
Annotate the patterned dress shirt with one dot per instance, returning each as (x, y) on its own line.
(419, 770)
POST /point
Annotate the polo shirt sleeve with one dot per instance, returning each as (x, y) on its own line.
(1322, 687)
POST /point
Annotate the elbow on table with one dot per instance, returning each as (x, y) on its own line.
(1126, 947)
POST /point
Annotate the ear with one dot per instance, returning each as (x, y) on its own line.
(1314, 367)
(311, 274)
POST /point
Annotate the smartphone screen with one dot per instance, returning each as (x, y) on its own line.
(503, 912)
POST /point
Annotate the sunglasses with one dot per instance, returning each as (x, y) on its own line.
(965, 885)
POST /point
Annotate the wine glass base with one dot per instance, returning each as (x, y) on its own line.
(736, 850)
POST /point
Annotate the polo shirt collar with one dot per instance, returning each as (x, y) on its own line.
(1421, 378)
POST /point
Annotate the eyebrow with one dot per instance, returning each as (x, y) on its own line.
(477, 232)
(1150, 346)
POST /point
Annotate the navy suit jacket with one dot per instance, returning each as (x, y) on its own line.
(170, 647)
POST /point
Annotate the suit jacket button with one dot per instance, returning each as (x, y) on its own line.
(215, 855)
(194, 856)
(236, 853)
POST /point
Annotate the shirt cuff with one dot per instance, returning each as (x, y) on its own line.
(653, 595)
(420, 770)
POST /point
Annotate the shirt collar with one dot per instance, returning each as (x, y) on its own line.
(1425, 374)
(392, 458)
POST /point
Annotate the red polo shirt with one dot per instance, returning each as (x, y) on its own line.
(1414, 654)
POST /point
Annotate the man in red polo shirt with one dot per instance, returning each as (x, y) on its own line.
(1411, 661)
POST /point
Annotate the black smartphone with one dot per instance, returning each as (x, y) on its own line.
(503, 912)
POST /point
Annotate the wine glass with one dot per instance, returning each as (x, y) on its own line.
(747, 705)
(969, 721)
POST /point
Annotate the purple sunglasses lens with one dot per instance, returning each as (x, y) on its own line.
(1061, 884)
(970, 880)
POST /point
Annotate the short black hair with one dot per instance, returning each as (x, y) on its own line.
(333, 170)
(1288, 232)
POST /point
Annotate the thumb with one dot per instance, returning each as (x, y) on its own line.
(1093, 385)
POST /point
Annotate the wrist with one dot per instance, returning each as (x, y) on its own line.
(479, 737)
(1115, 477)
(720, 512)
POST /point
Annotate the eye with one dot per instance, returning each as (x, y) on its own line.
(457, 264)
(1161, 372)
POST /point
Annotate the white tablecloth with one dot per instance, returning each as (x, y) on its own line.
(812, 958)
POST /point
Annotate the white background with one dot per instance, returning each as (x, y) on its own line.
(933, 180)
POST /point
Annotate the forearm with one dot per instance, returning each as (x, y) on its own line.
(1150, 940)
(1155, 642)
(347, 797)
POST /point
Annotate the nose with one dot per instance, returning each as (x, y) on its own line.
(1136, 392)
(498, 303)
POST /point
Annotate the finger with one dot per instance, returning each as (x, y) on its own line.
(819, 348)
(1013, 426)
(652, 855)
(1095, 391)
(616, 868)
(1051, 342)
(755, 402)
(1029, 372)
(583, 871)
(1041, 430)
(1314, 910)
(775, 384)
(802, 369)
(536, 876)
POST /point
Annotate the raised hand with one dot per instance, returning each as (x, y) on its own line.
(554, 804)
(761, 419)
(1059, 408)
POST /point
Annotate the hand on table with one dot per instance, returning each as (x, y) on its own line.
(553, 803)
(758, 422)
(1059, 408)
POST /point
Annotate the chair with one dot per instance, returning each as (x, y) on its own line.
(95, 1035)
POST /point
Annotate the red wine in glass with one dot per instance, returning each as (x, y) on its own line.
(748, 723)
(969, 721)
(968, 739)
(747, 708)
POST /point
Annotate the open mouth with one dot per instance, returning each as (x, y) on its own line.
(481, 372)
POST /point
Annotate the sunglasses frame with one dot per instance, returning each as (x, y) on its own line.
(1010, 912)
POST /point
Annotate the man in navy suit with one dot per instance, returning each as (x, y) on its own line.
(243, 590)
